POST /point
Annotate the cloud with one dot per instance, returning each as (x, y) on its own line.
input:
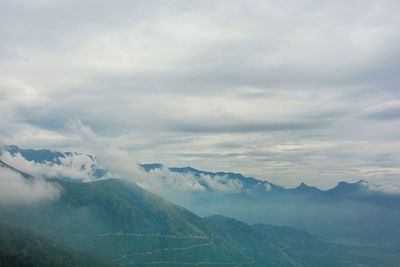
(222, 183)
(385, 111)
(79, 166)
(14, 189)
(165, 79)
(189, 182)
(387, 189)
(245, 126)
(167, 180)
(125, 166)
(161, 181)
(74, 166)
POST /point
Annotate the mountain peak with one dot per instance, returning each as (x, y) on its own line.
(304, 188)
(36, 155)
(344, 187)
(186, 169)
(151, 166)
(363, 182)
(303, 185)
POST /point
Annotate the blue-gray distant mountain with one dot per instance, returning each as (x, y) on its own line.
(251, 185)
(52, 157)
(38, 155)
(359, 210)
(247, 184)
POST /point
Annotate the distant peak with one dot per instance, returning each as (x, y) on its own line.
(151, 166)
(187, 169)
(348, 187)
(303, 185)
(359, 182)
(11, 147)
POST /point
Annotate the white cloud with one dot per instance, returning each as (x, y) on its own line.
(14, 189)
(76, 166)
(167, 180)
(222, 183)
(267, 187)
(387, 189)
(164, 80)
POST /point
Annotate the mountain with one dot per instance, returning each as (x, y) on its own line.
(125, 225)
(88, 166)
(278, 245)
(254, 186)
(19, 248)
(84, 165)
(243, 184)
(122, 224)
(306, 189)
(359, 210)
(38, 155)
(285, 246)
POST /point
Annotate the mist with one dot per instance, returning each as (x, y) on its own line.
(15, 189)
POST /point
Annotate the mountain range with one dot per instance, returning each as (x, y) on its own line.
(117, 223)
(88, 165)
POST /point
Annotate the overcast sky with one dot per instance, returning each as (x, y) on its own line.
(289, 91)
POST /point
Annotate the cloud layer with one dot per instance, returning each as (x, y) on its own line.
(14, 189)
(304, 91)
(74, 166)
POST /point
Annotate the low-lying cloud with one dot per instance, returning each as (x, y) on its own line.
(122, 165)
(75, 166)
(385, 189)
(14, 189)
(385, 111)
(119, 164)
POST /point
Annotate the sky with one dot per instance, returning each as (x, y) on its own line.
(287, 91)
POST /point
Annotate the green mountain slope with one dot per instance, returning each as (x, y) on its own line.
(286, 246)
(277, 246)
(124, 225)
(20, 248)
(127, 225)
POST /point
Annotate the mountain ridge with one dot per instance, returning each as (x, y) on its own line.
(130, 226)
(44, 156)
